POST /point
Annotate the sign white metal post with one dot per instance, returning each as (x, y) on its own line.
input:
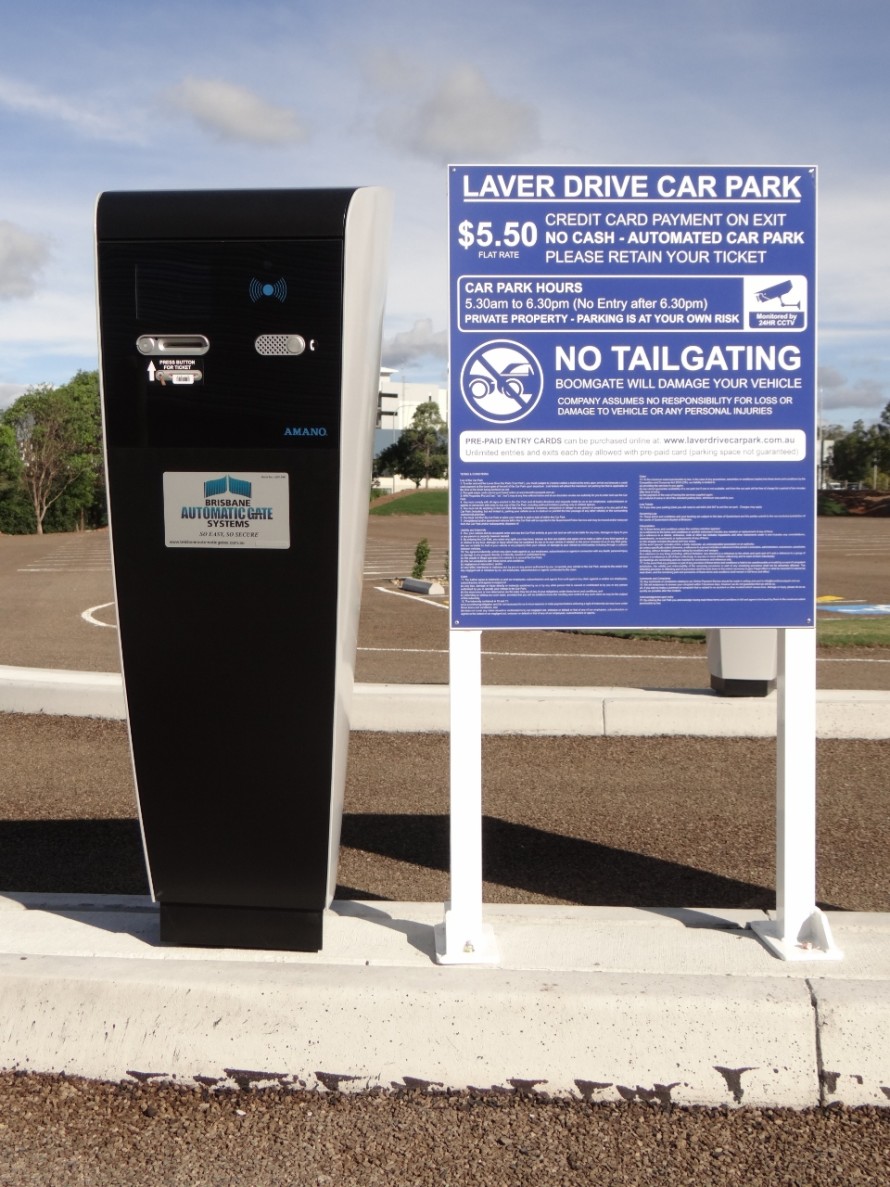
(800, 930)
(463, 938)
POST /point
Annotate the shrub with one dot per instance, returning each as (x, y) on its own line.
(421, 556)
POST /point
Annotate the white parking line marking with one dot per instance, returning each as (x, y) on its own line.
(426, 601)
(87, 616)
(409, 650)
(587, 655)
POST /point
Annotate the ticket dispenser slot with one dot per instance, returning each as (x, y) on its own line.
(240, 339)
(172, 344)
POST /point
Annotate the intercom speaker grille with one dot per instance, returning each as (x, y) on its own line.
(280, 344)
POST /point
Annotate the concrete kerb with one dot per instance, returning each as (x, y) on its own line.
(676, 1006)
(545, 710)
(61, 693)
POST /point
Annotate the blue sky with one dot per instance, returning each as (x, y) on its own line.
(164, 95)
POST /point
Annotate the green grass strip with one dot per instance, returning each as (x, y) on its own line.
(422, 502)
(830, 632)
(844, 630)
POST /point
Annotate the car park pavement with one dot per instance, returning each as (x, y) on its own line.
(57, 612)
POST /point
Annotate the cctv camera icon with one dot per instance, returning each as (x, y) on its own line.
(776, 292)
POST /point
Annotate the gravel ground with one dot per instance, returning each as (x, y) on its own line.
(74, 1133)
(588, 820)
(608, 821)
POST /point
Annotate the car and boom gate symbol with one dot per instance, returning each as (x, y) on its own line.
(501, 381)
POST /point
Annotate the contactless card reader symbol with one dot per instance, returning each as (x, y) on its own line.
(501, 381)
(260, 288)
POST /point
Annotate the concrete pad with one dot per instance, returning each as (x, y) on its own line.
(531, 937)
(864, 940)
(541, 938)
(679, 1006)
(854, 1040)
(606, 1037)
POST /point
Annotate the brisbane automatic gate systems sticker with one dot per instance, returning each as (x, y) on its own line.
(212, 510)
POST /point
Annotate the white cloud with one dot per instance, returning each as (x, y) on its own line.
(22, 257)
(420, 342)
(29, 100)
(837, 392)
(232, 112)
(52, 324)
(854, 263)
(463, 119)
(390, 72)
(10, 392)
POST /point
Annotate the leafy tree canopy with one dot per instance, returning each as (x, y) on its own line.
(57, 467)
(421, 452)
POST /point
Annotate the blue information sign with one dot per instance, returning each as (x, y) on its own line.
(632, 413)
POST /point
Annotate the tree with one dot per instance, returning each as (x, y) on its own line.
(883, 440)
(58, 440)
(857, 452)
(10, 462)
(16, 516)
(394, 459)
(421, 452)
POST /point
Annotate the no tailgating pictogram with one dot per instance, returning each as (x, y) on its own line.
(501, 382)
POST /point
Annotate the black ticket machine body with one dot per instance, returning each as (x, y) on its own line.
(240, 361)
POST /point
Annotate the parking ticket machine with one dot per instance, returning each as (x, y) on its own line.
(240, 350)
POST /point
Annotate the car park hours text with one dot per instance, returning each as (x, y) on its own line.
(500, 187)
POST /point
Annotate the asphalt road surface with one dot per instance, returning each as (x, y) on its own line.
(57, 611)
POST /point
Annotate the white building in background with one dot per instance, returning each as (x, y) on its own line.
(398, 401)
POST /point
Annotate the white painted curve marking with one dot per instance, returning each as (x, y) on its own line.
(87, 616)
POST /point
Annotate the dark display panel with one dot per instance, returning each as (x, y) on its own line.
(232, 294)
